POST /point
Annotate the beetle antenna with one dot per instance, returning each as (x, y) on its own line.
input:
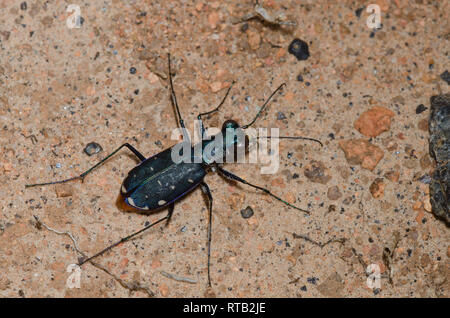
(264, 106)
(289, 137)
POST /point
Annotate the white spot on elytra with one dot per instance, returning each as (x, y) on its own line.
(123, 189)
(159, 182)
(131, 201)
(161, 202)
(172, 187)
(191, 181)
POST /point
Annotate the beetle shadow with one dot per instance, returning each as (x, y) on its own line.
(123, 207)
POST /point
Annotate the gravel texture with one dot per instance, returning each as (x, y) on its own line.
(62, 88)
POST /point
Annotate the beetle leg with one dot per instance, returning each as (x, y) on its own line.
(81, 176)
(234, 177)
(123, 240)
(169, 215)
(199, 117)
(206, 190)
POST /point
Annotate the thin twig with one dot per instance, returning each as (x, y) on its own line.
(134, 286)
(321, 245)
(261, 14)
(388, 255)
(179, 278)
(341, 241)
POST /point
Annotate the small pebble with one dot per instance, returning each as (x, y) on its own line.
(247, 212)
(377, 188)
(133, 70)
(316, 171)
(23, 6)
(392, 176)
(361, 151)
(446, 77)
(374, 121)
(300, 78)
(92, 148)
(421, 108)
(358, 12)
(299, 49)
(427, 204)
(334, 193)
(280, 116)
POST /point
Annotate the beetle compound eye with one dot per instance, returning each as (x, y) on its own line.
(229, 124)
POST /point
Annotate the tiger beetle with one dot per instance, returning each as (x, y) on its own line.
(158, 182)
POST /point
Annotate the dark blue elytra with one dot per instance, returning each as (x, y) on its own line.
(159, 181)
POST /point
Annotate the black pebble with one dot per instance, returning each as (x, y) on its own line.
(281, 116)
(23, 6)
(247, 212)
(299, 49)
(358, 12)
(92, 148)
(421, 108)
(446, 77)
(300, 78)
(133, 70)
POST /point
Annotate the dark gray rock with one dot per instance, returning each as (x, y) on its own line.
(439, 126)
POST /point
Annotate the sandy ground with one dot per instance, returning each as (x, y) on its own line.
(62, 88)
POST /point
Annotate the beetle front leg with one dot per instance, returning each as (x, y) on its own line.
(81, 176)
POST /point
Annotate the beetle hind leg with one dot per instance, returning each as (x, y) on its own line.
(206, 190)
(169, 215)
